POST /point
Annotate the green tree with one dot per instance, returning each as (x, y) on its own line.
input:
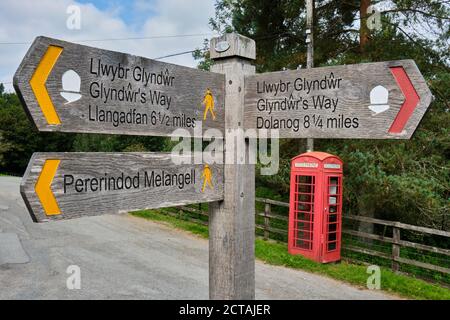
(19, 139)
(400, 180)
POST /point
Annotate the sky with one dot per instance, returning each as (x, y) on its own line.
(22, 20)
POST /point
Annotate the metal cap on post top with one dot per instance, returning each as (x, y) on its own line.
(232, 45)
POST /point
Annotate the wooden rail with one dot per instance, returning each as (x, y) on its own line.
(399, 225)
(395, 241)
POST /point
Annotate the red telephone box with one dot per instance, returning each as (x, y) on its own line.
(315, 206)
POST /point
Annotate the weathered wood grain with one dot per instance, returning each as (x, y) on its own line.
(232, 221)
(95, 165)
(352, 96)
(186, 93)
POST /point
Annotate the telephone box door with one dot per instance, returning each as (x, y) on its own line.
(331, 241)
(303, 203)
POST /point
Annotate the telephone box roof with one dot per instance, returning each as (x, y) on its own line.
(316, 154)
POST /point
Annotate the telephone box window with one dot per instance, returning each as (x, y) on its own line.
(304, 211)
(334, 197)
(332, 227)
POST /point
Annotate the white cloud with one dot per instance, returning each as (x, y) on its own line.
(23, 20)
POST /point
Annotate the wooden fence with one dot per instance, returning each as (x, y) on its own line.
(397, 243)
(269, 216)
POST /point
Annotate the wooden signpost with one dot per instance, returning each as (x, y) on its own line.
(384, 100)
(74, 88)
(70, 185)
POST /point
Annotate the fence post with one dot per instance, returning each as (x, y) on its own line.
(266, 221)
(395, 248)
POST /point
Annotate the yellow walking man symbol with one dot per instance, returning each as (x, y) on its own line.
(208, 101)
(206, 176)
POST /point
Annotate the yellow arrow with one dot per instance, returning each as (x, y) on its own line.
(43, 187)
(38, 81)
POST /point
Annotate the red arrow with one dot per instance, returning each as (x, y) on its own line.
(411, 99)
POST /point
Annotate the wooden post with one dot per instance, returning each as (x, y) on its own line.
(266, 221)
(310, 33)
(310, 51)
(395, 248)
(364, 31)
(232, 221)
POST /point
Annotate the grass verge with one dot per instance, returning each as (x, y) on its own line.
(276, 254)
